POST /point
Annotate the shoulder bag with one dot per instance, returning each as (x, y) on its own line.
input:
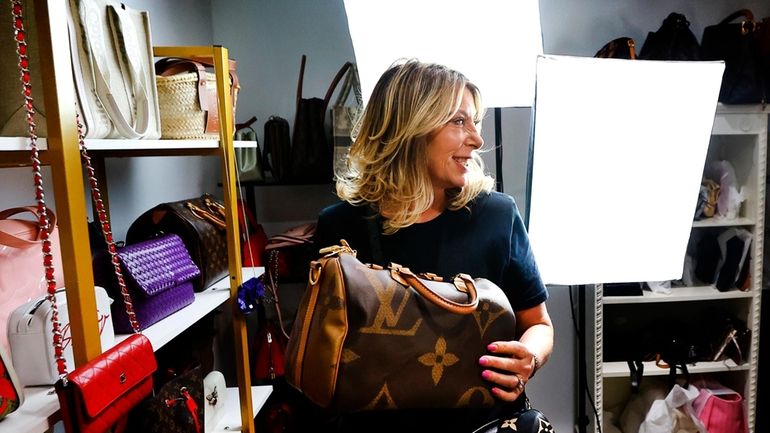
(111, 51)
(277, 150)
(158, 273)
(248, 160)
(344, 117)
(200, 223)
(367, 337)
(745, 47)
(21, 276)
(311, 154)
(672, 41)
(30, 333)
(99, 394)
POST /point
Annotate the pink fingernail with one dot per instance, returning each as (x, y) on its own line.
(483, 361)
(486, 374)
(492, 347)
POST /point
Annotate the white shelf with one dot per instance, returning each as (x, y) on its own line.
(723, 222)
(679, 294)
(620, 369)
(206, 301)
(38, 413)
(231, 421)
(21, 144)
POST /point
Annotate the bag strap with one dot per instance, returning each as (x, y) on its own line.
(333, 85)
(351, 82)
(42, 210)
(301, 78)
(11, 240)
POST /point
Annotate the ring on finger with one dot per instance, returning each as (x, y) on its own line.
(519, 384)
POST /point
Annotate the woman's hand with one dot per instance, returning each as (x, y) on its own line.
(509, 366)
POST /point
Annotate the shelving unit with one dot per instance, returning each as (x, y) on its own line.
(61, 151)
(739, 135)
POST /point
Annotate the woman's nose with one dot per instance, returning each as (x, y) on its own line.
(474, 139)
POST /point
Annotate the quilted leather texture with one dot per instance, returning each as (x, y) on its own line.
(102, 392)
(158, 264)
(205, 242)
(150, 310)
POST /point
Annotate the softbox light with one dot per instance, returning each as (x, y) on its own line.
(619, 151)
(495, 43)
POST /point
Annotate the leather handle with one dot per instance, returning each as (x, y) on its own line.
(739, 13)
(334, 83)
(463, 282)
(17, 242)
(301, 78)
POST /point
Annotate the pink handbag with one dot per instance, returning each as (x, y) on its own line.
(22, 276)
(721, 412)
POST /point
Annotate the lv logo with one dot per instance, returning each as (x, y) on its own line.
(386, 321)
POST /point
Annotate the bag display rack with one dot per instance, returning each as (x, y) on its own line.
(60, 151)
(739, 136)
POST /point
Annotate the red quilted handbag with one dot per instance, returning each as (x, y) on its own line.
(96, 396)
(100, 394)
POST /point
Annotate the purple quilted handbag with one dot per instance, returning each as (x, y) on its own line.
(159, 274)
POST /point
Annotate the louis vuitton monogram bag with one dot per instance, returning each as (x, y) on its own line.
(373, 338)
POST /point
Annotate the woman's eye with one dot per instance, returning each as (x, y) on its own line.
(459, 121)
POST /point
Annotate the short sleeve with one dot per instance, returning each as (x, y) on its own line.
(521, 276)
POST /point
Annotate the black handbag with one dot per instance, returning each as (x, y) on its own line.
(745, 48)
(277, 148)
(525, 420)
(673, 41)
(311, 150)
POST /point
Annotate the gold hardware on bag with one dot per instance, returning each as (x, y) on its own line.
(206, 215)
(335, 250)
(430, 276)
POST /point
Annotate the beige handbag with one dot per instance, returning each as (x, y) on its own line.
(114, 77)
(188, 100)
(112, 70)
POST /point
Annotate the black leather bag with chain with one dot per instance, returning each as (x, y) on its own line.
(200, 222)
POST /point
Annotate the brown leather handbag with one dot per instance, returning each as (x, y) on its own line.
(371, 338)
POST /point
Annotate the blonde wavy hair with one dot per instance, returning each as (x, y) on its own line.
(387, 163)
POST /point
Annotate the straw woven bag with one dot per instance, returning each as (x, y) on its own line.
(187, 98)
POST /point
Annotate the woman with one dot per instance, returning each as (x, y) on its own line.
(414, 168)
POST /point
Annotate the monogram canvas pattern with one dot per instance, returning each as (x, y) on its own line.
(363, 339)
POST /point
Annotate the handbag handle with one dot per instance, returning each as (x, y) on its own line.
(14, 241)
(332, 86)
(351, 82)
(463, 282)
(739, 13)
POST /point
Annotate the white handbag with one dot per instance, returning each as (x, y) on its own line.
(112, 59)
(214, 392)
(30, 334)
